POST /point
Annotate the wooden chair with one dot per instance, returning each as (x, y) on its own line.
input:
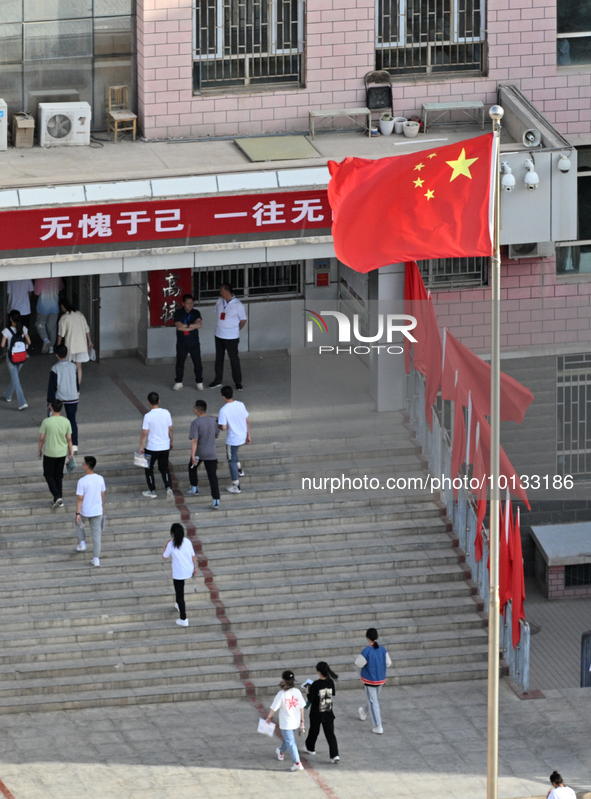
(119, 113)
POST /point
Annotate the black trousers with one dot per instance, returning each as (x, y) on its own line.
(316, 721)
(211, 467)
(179, 590)
(229, 345)
(53, 471)
(161, 458)
(71, 408)
(182, 350)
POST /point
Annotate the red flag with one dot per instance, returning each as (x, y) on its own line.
(458, 445)
(433, 358)
(474, 375)
(415, 294)
(505, 553)
(430, 204)
(479, 473)
(518, 584)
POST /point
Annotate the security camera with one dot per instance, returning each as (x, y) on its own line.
(508, 179)
(532, 180)
(564, 163)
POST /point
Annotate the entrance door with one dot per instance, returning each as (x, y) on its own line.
(84, 291)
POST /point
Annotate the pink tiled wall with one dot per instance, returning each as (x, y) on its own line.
(535, 309)
(339, 52)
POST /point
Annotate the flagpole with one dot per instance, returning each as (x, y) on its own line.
(496, 114)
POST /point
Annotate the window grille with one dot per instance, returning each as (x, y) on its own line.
(578, 574)
(241, 43)
(573, 406)
(452, 272)
(279, 279)
(430, 36)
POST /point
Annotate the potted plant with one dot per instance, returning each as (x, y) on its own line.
(386, 123)
(410, 129)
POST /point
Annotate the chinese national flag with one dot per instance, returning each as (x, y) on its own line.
(431, 204)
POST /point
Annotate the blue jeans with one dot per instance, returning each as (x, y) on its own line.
(46, 324)
(289, 745)
(373, 706)
(233, 462)
(15, 383)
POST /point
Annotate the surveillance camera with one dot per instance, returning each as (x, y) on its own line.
(508, 179)
(532, 180)
(564, 163)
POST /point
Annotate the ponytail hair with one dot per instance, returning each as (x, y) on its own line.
(15, 318)
(324, 669)
(556, 779)
(372, 635)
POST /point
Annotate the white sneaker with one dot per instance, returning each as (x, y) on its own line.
(362, 714)
(96, 562)
(182, 622)
(193, 491)
(51, 350)
(81, 547)
(199, 386)
(177, 386)
(46, 345)
(279, 754)
(176, 605)
(240, 473)
(22, 407)
(151, 494)
(378, 730)
(297, 767)
(59, 503)
(307, 751)
(335, 759)
(169, 493)
(233, 489)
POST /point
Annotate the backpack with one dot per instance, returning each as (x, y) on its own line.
(17, 349)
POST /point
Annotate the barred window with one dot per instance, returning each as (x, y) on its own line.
(241, 43)
(573, 405)
(573, 30)
(454, 272)
(278, 279)
(430, 36)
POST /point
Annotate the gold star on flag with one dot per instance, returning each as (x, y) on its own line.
(418, 183)
(461, 166)
(432, 155)
(418, 167)
(430, 194)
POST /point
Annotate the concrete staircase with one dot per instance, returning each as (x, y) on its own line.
(300, 574)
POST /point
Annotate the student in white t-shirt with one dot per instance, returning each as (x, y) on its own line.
(290, 703)
(14, 359)
(233, 417)
(559, 790)
(90, 506)
(156, 442)
(230, 319)
(184, 566)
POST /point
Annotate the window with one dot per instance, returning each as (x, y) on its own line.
(573, 29)
(579, 574)
(452, 272)
(573, 405)
(574, 259)
(245, 43)
(273, 280)
(429, 36)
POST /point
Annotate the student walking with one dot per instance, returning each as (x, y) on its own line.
(372, 663)
(15, 337)
(90, 506)
(187, 321)
(156, 441)
(559, 790)
(184, 566)
(290, 703)
(203, 433)
(63, 385)
(320, 695)
(55, 442)
(233, 417)
(19, 298)
(231, 318)
(74, 332)
(47, 290)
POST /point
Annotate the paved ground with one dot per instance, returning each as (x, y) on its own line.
(434, 745)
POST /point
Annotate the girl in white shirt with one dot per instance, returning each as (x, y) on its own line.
(559, 790)
(290, 703)
(14, 327)
(184, 566)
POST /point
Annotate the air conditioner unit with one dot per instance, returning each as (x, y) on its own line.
(535, 249)
(3, 125)
(64, 124)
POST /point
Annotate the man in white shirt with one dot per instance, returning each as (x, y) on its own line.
(90, 506)
(231, 318)
(19, 298)
(233, 417)
(156, 442)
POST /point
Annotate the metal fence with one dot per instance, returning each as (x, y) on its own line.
(436, 447)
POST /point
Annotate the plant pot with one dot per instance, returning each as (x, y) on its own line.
(398, 123)
(410, 129)
(386, 126)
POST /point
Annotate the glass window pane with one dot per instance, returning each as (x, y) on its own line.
(11, 43)
(112, 36)
(573, 51)
(112, 8)
(111, 72)
(63, 39)
(11, 11)
(67, 81)
(573, 16)
(37, 10)
(11, 88)
(584, 204)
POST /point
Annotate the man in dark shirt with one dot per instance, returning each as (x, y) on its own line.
(203, 433)
(187, 321)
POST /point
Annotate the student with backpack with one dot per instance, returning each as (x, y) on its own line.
(15, 337)
(372, 664)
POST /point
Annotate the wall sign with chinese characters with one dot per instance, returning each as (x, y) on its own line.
(166, 294)
(90, 227)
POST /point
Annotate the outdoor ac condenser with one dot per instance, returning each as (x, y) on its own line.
(3, 126)
(64, 124)
(536, 249)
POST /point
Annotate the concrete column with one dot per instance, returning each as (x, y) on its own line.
(387, 377)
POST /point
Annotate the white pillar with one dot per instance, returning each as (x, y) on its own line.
(387, 376)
